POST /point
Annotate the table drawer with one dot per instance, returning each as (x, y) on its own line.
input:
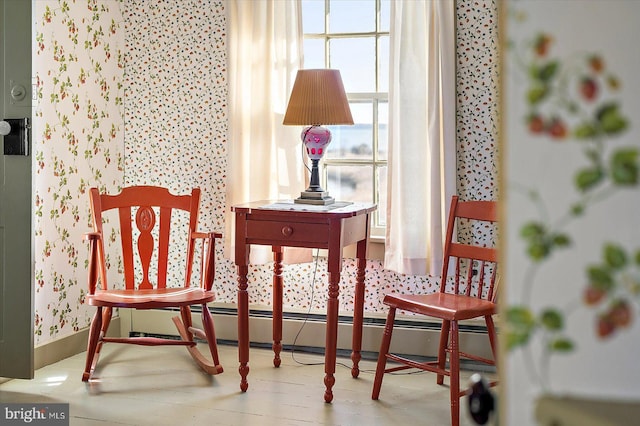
(283, 232)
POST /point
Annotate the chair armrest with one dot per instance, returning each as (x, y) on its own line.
(94, 266)
(208, 257)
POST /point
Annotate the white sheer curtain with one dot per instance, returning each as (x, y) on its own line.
(422, 141)
(265, 158)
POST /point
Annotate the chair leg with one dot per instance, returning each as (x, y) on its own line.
(209, 329)
(187, 332)
(454, 367)
(185, 314)
(491, 329)
(442, 349)
(106, 319)
(95, 332)
(382, 355)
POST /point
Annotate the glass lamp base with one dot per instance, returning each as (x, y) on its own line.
(319, 198)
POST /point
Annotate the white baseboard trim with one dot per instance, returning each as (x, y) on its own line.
(65, 347)
(413, 337)
(410, 337)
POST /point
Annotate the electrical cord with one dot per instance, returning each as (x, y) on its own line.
(304, 160)
(293, 345)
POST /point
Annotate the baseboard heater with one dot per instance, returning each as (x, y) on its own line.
(305, 332)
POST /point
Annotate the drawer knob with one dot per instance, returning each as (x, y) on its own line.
(287, 231)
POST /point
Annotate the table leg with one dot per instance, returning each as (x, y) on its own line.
(243, 327)
(331, 335)
(358, 309)
(277, 305)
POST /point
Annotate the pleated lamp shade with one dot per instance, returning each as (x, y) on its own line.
(318, 98)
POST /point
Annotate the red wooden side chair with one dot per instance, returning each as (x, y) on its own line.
(472, 295)
(140, 205)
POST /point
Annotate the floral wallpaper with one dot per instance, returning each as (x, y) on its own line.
(78, 143)
(477, 98)
(175, 117)
(134, 92)
(572, 178)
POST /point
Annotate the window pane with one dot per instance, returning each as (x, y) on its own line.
(385, 15)
(383, 132)
(313, 53)
(342, 13)
(381, 177)
(352, 43)
(313, 16)
(355, 58)
(350, 183)
(383, 64)
(353, 142)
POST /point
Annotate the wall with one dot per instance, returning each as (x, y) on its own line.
(78, 135)
(159, 117)
(571, 191)
(175, 117)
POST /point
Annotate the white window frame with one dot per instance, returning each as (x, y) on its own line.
(375, 98)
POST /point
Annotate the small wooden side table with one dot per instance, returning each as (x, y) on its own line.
(285, 224)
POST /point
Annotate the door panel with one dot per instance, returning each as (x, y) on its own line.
(16, 236)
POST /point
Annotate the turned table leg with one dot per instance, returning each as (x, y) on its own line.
(331, 335)
(243, 327)
(277, 305)
(358, 310)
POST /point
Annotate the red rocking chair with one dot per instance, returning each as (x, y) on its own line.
(138, 205)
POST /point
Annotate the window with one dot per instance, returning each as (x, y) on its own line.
(353, 37)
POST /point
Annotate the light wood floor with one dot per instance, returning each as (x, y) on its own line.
(162, 386)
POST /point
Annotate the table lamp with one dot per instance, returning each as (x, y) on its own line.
(317, 98)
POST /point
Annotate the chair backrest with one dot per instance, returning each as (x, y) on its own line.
(145, 207)
(476, 264)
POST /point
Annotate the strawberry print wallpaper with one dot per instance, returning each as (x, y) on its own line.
(78, 136)
(572, 177)
(134, 92)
